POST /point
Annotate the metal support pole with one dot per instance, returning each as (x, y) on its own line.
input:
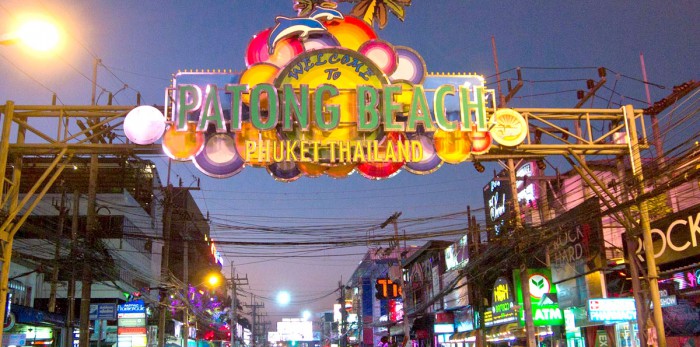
(631, 248)
(343, 339)
(88, 254)
(652, 273)
(185, 279)
(233, 306)
(57, 250)
(402, 283)
(6, 235)
(4, 150)
(255, 317)
(95, 63)
(165, 264)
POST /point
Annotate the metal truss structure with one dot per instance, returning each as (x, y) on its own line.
(90, 131)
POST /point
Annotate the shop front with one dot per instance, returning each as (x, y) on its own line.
(28, 326)
(677, 250)
(509, 334)
(443, 328)
(466, 323)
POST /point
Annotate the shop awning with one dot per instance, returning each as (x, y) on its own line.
(502, 330)
(462, 335)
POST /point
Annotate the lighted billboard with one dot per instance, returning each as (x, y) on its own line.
(322, 94)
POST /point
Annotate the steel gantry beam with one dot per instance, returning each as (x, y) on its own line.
(63, 132)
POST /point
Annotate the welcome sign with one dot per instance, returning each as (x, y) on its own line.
(323, 95)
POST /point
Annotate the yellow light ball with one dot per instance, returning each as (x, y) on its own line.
(452, 147)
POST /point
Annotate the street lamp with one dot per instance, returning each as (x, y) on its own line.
(213, 280)
(38, 34)
(283, 298)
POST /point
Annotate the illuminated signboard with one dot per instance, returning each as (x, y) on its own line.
(683, 281)
(295, 329)
(498, 196)
(528, 191)
(577, 250)
(131, 323)
(214, 252)
(457, 254)
(132, 307)
(503, 309)
(675, 237)
(611, 310)
(323, 95)
(545, 310)
(443, 328)
(387, 289)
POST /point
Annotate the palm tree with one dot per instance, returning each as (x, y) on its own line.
(370, 10)
(305, 7)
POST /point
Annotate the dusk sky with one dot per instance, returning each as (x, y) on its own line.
(558, 45)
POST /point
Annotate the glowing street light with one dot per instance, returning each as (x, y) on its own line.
(283, 298)
(306, 314)
(213, 280)
(38, 34)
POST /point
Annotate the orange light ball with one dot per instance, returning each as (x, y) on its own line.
(452, 147)
(311, 169)
(481, 141)
(257, 74)
(257, 158)
(351, 32)
(183, 145)
(340, 171)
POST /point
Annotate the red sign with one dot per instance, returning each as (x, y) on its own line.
(131, 330)
(387, 289)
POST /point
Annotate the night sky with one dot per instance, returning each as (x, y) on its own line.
(558, 45)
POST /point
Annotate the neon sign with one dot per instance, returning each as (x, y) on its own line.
(323, 95)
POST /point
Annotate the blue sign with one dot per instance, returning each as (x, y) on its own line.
(137, 306)
(612, 310)
(103, 311)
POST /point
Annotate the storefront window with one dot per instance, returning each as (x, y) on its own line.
(625, 332)
(20, 293)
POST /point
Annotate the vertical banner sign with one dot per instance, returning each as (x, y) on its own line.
(131, 324)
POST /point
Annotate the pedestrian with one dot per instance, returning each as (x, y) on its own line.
(383, 342)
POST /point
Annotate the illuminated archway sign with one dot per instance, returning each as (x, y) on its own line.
(323, 95)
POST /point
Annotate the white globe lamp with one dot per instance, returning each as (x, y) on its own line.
(144, 125)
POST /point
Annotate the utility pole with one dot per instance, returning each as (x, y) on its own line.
(265, 329)
(474, 286)
(406, 326)
(630, 241)
(185, 279)
(88, 254)
(343, 339)
(524, 280)
(165, 260)
(168, 206)
(68, 341)
(253, 325)
(652, 273)
(57, 252)
(235, 282)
